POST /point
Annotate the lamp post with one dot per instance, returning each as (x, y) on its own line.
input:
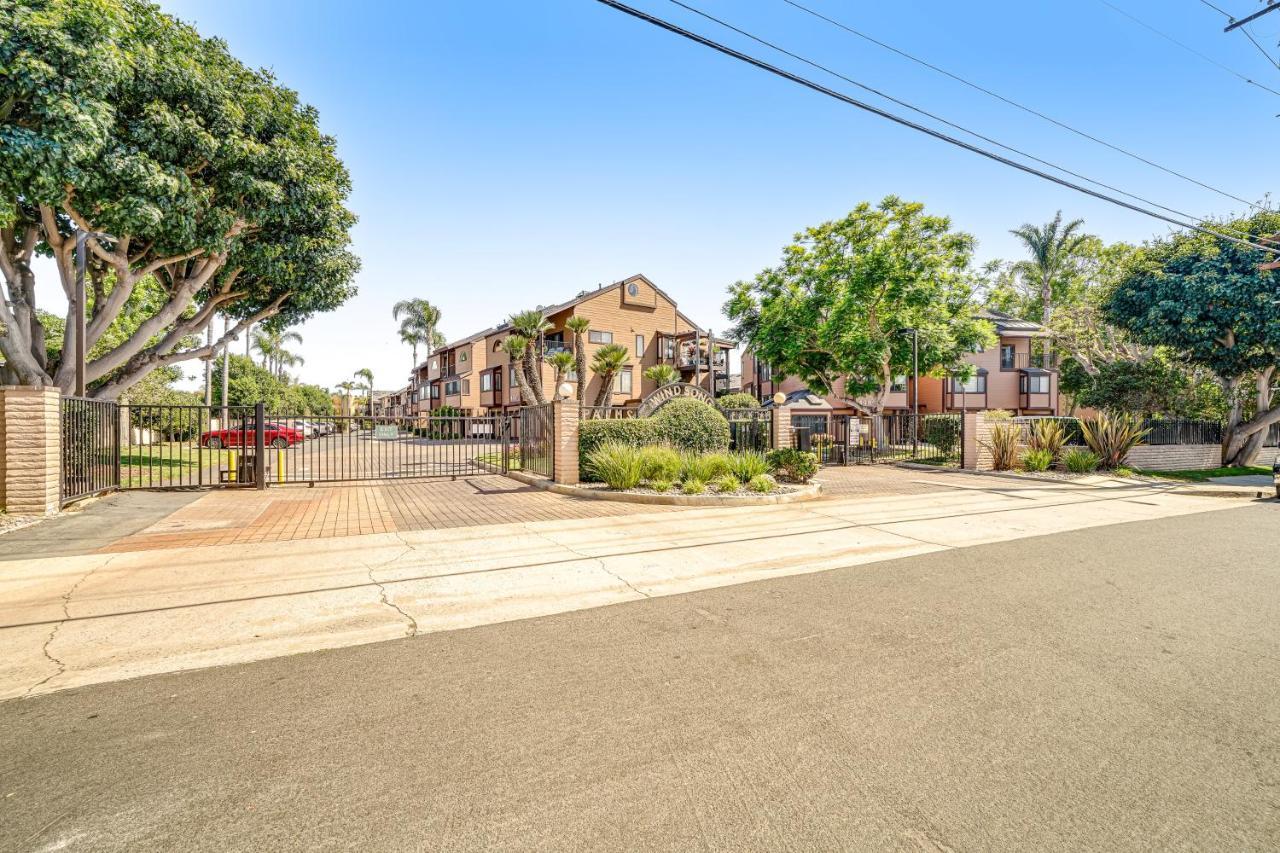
(915, 388)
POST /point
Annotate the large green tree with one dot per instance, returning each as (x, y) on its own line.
(833, 312)
(1215, 304)
(213, 182)
(1052, 250)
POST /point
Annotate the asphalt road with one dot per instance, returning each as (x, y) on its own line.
(1108, 689)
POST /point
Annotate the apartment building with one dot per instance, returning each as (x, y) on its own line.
(1017, 374)
(475, 375)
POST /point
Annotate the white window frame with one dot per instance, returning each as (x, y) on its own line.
(618, 384)
(639, 346)
(486, 381)
(596, 336)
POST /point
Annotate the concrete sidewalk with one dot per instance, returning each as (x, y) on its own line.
(80, 620)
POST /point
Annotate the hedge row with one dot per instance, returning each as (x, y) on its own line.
(685, 424)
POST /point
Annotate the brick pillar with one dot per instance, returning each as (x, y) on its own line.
(564, 418)
(969, 448)
(781, 427)
(30, 450)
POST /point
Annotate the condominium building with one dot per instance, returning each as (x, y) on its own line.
(1018, 374)
(474, 374)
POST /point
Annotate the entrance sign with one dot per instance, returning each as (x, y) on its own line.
(674, 391)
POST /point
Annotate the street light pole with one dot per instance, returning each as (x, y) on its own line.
(915, 388)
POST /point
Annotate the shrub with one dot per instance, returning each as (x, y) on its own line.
(1112, 437)
(941, 431)
(693, 425)
(617, 465)
(660, 463)
(693, 487)
(661, 485)
(792, 464)
(636, 432)
(1003, 446)
(762, 483)
(1122, 471)
(727, 483)
(1037, 460)
(705, 467)
(747, 464)
(1047, 434)
(737, 401)
(1080, 461)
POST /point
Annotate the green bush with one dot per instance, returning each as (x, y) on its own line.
(1080, 461)
(747, 464)
(618, 465)
(1047, 434)
(1122, 471)
(705, 467)
(942, 431)
(693, 487)
(1037, 460)
(727, 483)
(636, 432)
(762, 483)
(660, 485)
(1113, 436)
(693, 425)
(792, 464)
(660, 462)
(737, 401)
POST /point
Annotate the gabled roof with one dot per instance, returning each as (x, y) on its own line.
(1008, 323)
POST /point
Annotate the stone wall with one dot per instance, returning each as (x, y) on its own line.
(30, 450)
(1175, 457)
(781, 427)
(565, 414)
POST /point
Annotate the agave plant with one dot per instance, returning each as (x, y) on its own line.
(1113, 436)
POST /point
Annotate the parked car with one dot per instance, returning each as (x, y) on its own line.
(273, 435)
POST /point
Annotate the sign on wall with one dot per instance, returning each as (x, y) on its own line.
(667, 393)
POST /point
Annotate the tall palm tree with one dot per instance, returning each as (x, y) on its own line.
(346, 388)
(412, 337)
(561, 362)
(579, 326)
(366, 375)
(663, 374)
(272, 345)
(419, 318)
(532, 325)
(515, 346)
(607, 363)
(1053, 247)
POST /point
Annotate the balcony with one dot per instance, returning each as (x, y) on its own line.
(1024, 360)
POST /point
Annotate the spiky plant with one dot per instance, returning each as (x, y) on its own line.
(579, 325)
(607, 363)
(532, 325)
(1047, 434)
(1113, 436)
(1003, 445)
(662, 374)
(515, 346)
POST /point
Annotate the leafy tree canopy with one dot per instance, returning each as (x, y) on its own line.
(836, 306)
(211, 179)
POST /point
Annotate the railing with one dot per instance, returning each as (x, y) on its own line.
(750, 429)
(1024, 360)
(1178, 431)
(187, 446)
(537, 439)
(90, 461)
(850, 440)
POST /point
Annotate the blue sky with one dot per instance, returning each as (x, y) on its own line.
(510, 153)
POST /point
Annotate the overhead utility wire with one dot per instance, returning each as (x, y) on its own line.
(935, 117)
(1231, 19)
(1031, 110)
(1188, 48)
(831, 93)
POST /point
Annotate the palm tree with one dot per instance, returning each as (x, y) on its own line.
(515, 346)
(579, 326)
(367, 375)
(607, 362)
(346, 388)
(271, 344)
(663, 374)
(1053, 247)
(561, 362)
(418, 324)
(532, 325)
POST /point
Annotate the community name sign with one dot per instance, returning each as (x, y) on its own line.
(667, 393)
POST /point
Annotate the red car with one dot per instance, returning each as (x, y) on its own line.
(273, 435)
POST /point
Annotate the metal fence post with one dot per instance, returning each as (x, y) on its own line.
(259, 447)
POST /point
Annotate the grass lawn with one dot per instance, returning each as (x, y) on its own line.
(1203, 476)
(169, 463)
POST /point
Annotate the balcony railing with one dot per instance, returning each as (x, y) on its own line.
(689, 362)
(1024, 360)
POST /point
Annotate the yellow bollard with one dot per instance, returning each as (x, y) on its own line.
(231, 466)
(279, 465)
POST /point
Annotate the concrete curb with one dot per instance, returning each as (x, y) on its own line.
(805, 493)
(1168, 485)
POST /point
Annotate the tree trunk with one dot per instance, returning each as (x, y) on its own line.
(1242, 442)
(532, 373)
(606, 389)
(580, 356)
(1046, 301)
(526, 392)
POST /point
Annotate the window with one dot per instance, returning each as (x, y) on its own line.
(451, 388)
(497, 379)
(486, 381)
(899, 383)
(1036, 383)
(1007, 358)
(462, 356)
(435, 363)
(639, 346)
(435, 392)
(514, 383)
(622, 382)
(599, 337)
(668, 348)
(977, 384)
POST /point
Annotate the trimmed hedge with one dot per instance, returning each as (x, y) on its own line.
(693, 425)
(738, 400)
(636, 432)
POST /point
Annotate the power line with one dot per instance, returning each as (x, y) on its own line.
(1031, 110)
(1187, 47)
(1248, 19)
(930, 115)
(840, 96)
(1234, 23)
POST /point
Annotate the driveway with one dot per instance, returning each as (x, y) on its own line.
(1112, 688)
(78, 620)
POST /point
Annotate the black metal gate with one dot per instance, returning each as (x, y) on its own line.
(935, 439)
(537, 440)
(90, 461)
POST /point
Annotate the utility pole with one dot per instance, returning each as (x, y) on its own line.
(1250, 18)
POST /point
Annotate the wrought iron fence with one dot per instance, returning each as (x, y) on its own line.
(858, 440)
(187, 446)
(1180, 431)
(537, 439)
(90, 461)
(750, 429)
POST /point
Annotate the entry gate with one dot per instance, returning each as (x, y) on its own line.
(109, 446)
(862, 440)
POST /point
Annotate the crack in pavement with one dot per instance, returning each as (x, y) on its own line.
(598, 560)
(411, 629)
(53, 632)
